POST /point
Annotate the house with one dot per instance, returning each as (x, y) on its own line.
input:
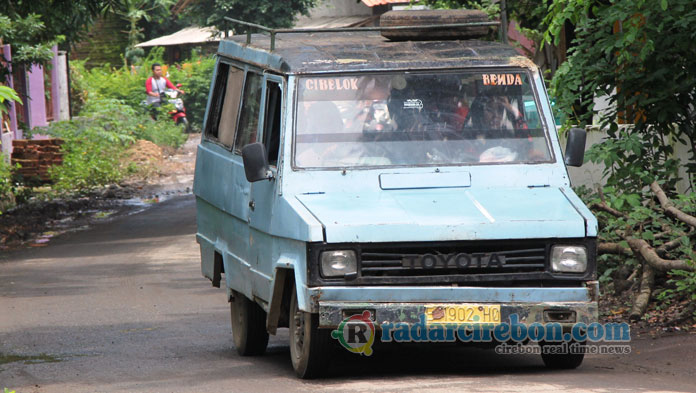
(178, 45)
(44, 94)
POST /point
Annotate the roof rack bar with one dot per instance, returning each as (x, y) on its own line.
(273, 32)
(389, 28)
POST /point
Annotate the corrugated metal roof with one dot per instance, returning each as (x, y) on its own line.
(189, 35)
(197, 35)
(372, 3)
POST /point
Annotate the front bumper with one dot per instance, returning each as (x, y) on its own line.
(407, 304)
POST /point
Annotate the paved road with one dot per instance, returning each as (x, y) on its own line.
(123, 307)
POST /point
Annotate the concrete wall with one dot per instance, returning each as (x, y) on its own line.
(35, 96)
(590, 174)
(329, 8)
(55, 92)
(62, 98)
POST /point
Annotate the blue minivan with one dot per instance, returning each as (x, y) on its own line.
(343, 174)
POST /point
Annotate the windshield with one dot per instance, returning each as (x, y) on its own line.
(405, 119)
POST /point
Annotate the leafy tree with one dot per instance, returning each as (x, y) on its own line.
(640, 55)
(24, 34)
(133, 12)
(270, 13)
(6, 94)
(67, 18)
(33, 27)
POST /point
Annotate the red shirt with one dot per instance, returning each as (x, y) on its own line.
(148, 84)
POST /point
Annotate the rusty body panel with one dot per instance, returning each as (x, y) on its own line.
(356, 52)
(393, 305)
(331, 314)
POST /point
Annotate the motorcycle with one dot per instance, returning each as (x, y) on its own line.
(178, 113)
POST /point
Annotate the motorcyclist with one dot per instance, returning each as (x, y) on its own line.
(155, 87)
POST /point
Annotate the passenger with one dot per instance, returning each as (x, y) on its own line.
(494, 124)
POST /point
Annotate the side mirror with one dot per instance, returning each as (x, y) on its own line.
(255, 162)
(575, 147)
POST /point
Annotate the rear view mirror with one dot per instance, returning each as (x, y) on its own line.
(255, 162)
(575, 147)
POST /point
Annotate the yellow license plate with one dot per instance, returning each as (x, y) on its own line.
(462, 313)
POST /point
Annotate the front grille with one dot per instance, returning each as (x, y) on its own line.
(451, 260)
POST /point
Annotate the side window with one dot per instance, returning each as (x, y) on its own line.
(271, 131)
(249, 116)
(211, 127)
(230, 107)
(224, 108)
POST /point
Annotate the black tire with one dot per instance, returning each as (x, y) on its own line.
(184, 123)
(561, 361)
(309, 345)
(248, 326)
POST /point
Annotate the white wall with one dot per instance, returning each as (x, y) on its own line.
(590, 174)
(329, 8)
(63, 96)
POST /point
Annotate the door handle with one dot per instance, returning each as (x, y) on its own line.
(252, 205)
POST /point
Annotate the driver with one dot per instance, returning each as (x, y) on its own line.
(155, 87)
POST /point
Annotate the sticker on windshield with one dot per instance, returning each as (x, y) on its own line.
(413, 103)
(331, 84)
(502, 80)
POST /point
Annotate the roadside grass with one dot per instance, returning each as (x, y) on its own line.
(96, 141)
(94, 152)
(109, 119)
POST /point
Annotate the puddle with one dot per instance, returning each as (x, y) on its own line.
(103, 214)
(37, 225)
(28, 359)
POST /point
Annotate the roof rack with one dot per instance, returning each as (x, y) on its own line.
(273, 32)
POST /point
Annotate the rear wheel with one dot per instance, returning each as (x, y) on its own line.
(248, 326)
(309, 345)
(562, 361)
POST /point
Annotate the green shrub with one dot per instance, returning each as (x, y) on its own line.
(195, 77)
(79, 90)
(6, 184)
(162, 132)
(96, 141)
(128, 84)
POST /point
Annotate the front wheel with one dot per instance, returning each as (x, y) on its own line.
(185, 126)
(308, 344)
(248, 326)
